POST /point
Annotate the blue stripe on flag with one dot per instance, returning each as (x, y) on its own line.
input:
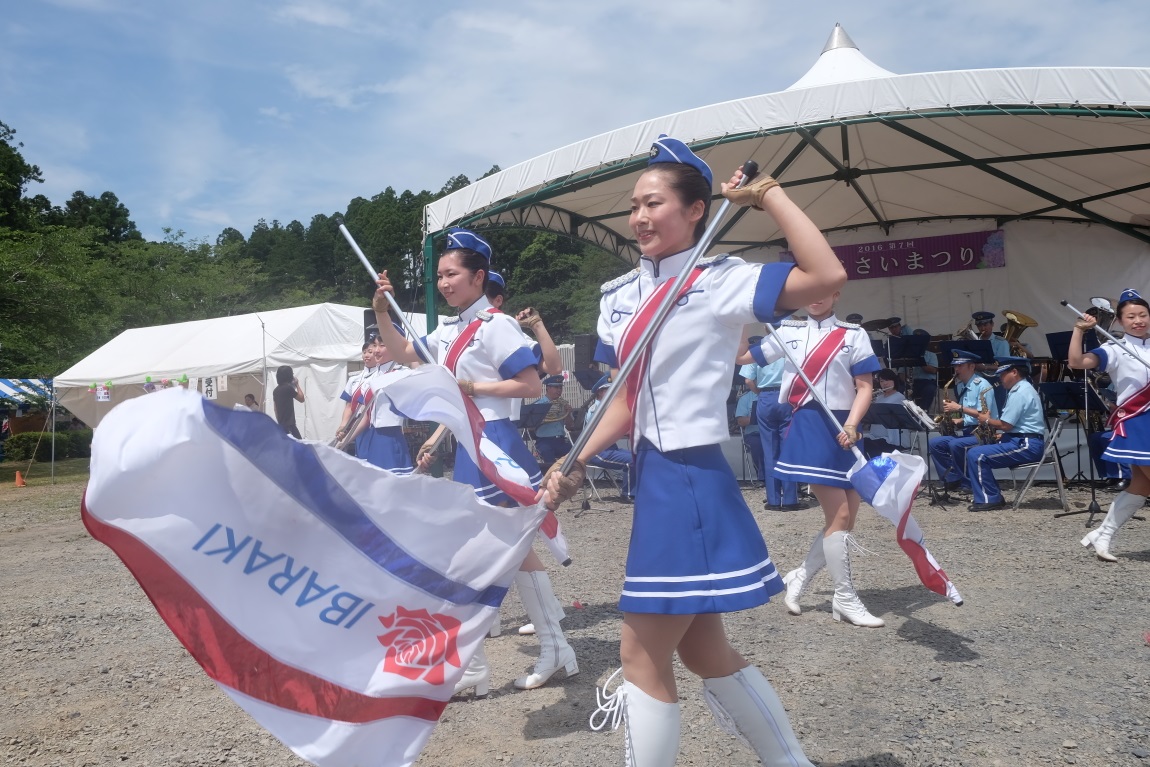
(301, 475)
(870, 477)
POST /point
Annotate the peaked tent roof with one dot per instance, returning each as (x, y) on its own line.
(859, 147)
(225, 345)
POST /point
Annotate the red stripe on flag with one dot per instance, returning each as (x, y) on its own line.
(932, 577)
(230, 658)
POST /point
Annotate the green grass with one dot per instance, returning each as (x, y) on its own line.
(68, 471)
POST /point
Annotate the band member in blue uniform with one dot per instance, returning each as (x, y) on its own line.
(695, 551)
(838, 359)
(495, 365)
(1131, 418)
(773, 419)
(1022, 441)
(551, 437)
(612, 458)
(379, 435)
(971, 390)
(984, 327)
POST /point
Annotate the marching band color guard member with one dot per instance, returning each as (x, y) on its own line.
(695, 551)
(971, 390)
(1022, 441)
(494, 364)
(380, 440)
(839, 361)
(1131, 425)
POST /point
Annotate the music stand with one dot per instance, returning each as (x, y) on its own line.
(1079, 398)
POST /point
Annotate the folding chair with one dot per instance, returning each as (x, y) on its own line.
(1049, 455)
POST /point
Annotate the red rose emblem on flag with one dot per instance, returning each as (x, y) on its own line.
(419, 644)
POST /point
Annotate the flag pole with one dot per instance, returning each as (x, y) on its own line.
(1100, 329)
(416, 338)
(750, 170)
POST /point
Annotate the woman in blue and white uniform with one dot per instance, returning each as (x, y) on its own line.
(695, 551)
(1131, 417)
(380, 439)
(838, 358)
(494, 364)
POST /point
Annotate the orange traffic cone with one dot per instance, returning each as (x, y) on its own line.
(20, 480)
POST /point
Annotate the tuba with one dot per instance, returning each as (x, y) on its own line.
(1016, 323)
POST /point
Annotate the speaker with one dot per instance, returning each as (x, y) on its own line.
(369, 327)
(584, 351)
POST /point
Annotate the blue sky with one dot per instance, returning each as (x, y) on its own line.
(214, 113)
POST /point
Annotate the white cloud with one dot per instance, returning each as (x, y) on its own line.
(320, 14)
(276, 114)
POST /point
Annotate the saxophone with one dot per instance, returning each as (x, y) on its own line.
(986, 433)
(947, 426)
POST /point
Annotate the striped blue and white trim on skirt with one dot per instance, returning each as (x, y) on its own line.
(695, 546)
(504, 434)
(810, 452)
(1135, 446)
(385, 447)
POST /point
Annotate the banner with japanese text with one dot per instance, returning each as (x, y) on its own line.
(921, 255)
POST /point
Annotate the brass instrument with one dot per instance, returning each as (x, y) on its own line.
(947, 425)
(967, 332)
(1105, 313)
(1016, 323)
(986, 433)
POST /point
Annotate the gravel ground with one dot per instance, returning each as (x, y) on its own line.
(1047, 663)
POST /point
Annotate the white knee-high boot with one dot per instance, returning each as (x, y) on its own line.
(799, 579)
(746, 706)
(651, 731)
(477, 675)
(846, 603)
(1121, 509)
(554, 652)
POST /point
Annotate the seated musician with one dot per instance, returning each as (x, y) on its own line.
(1022, 441)
(924, 379)
(612, 459)
(746, 416)
(879, 439)
(984, 327)
(550, 438)
(949, 452)
(896, 328)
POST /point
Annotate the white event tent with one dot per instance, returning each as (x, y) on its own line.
(1054, 161)
(320, 342)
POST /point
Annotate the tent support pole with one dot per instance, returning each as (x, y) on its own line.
(52, 415)
(429, 283)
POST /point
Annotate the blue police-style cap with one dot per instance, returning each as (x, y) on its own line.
(982, 316)
(1006, 363)
(1128, 295)
(855, 319)
(553, 381)
(754, 340)
(601, 384)
(671, 150)
(465, 238)
(894, 321)
(497, 278)
(962, 356)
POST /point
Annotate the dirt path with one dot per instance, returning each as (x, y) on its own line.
(1047, 663)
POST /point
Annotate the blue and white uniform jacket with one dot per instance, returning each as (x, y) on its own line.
(837, 386)
(1127, 373)
(381, 413)
(353, 382)
(683, 400)
(498, 352)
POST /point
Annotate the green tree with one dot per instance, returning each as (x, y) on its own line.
(15, 175)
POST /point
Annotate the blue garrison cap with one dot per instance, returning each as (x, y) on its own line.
(982, 316)
(497, 278)
(465, 238)
(601, 384)
(1006, 363)
(553, 381)
(671, 150)
(1128, 295)
(962, 356)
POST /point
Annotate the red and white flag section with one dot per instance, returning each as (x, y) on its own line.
(337, 603)
(431, 393)
(889, 483)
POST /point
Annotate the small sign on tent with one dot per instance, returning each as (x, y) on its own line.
(208, 384)
(103, 393)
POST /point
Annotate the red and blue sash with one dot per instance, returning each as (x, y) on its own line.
(463, 340)
(1134, 406)
(817, 363)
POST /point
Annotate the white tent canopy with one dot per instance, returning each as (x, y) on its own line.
(319, 342)
(874, 157)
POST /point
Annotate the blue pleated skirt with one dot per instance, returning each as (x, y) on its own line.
(386, 448)
(810, 452)
(504, 434)
(1135, 446)
(695, 547)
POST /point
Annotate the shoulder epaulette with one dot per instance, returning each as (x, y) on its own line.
(450, 320)
(848, 325)
(713, 260)
(619, 281)
(793, 323)
(485, 316)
